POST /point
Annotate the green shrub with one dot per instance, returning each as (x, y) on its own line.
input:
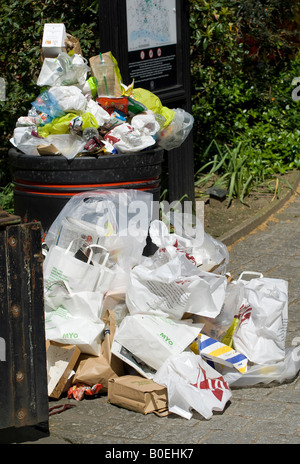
(22, 24)
(243, 62)
(7, 198)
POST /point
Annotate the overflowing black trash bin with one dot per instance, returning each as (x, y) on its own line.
(43, 185)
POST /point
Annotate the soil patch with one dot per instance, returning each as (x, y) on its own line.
(220, 219)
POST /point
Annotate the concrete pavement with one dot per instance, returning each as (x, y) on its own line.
(257, 415)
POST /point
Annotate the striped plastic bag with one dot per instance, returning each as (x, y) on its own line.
(218, 352)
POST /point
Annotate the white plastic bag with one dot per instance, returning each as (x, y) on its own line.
(154, 338)
(49, 73)
(78, 303)
(169, 284)
(218, 326)
(205, 249)
(189, 237)
(263, 319)
(73, 317)
(68, 144)
(70, 98)
(61, 327)
(145, 123)
(25, 141)
(63, 70)
(280, 371)
(192, 385)
(177, 131)
(126, 138)
(118, 220)
(99, 113)
(61, 265)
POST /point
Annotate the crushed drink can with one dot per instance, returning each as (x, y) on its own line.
(75, 125)
(93, 143)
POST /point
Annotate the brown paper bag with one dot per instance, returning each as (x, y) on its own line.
(99, 369)
(72, 43)
(138, 394)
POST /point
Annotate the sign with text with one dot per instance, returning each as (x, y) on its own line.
(152, 42)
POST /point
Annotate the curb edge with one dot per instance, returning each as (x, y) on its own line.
(259, 218)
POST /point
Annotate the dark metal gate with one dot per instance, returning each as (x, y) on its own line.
(23, 372)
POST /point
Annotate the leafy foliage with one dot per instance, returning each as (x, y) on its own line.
(7, 198)
(22, 24)
(244, 58)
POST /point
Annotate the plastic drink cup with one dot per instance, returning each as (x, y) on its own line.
(105, 75)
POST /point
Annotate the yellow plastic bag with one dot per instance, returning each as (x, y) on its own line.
(61, 125)
(153, 103)
(227, 339)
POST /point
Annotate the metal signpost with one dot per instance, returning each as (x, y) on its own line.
(150, 41)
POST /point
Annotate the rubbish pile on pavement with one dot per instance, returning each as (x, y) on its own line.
(165, 333)
(78, 115)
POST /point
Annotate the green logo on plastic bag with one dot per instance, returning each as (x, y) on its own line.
(70, 335)
(166, 338)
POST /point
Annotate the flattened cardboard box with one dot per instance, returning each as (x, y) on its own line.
(61, 360)
(138, 394)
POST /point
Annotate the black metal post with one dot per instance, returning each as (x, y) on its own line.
(23, 372)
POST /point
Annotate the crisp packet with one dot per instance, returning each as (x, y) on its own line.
(110, 104)
(135, 107)
(32, 119)
(78, 391)
(213, 350)
(47, 104)
(93, 143)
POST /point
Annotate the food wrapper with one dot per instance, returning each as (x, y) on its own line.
(79, 391)
(75, 125)
(110, 104)
(93, 143)
(135, 107)
(29, 121)
(213, 350)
